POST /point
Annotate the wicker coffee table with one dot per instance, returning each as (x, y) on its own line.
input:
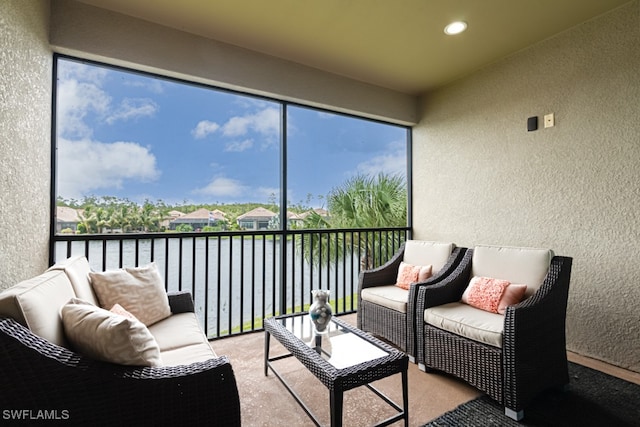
(342, 358)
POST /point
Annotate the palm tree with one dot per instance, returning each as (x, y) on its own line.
(87, 224)
(362, 202)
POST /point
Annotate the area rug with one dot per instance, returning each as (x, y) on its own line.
(591, 399)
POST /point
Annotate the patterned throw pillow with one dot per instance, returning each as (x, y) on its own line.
(103, 335)
(485, 293)
(408, 274)
(140, 291)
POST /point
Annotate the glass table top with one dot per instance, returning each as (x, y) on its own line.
(337, 344)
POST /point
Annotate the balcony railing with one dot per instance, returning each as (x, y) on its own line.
(239, 278)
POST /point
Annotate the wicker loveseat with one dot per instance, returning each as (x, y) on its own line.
(387, 310)
(511, 356)
(44, 378)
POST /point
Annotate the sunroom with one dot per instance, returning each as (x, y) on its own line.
(480, 171)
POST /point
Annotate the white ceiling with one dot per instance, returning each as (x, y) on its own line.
(396, 44)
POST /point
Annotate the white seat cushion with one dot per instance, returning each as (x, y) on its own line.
(528, 266)
(167, 337)
(181, 340)
(422, 252)
(467, 321)
(186, 355)
(390, 296)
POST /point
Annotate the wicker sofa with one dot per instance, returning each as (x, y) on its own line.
(511, 355)
(45, 378)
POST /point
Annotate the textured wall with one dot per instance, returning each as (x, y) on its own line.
(480, 177)
(25, 141)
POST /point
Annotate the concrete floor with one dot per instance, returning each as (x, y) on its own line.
(265, 402)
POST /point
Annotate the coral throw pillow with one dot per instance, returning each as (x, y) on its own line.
(408, 274)
(118, 309)
(512, 295)
(485, 293)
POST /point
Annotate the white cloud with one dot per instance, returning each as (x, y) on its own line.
(248, 102)
(326, 116)
(265, 193)
(222, 187)
(239, 146)
(232, 190)
(80, 93)
(85, 166)
(204, 128)
(265, 122)
(132, 109)
(236, 126)
(70, 70)
(76, 100)
(152, 85)
(391, 163)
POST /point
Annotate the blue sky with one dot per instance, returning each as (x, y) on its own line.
(133, 136)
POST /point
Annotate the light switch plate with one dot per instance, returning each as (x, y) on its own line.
(549, 120)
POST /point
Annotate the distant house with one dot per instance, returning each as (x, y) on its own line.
(301, 217)
(171, 216)
(294, 219)
(66, 218)
(256, 219)
(322, 212)
(175, 214)
(198, 219)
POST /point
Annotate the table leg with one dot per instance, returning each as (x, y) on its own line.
(318, 343)
(405, 396)
(267, 337)
(335, 407)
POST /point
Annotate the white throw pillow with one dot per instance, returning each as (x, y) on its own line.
(107, 336)
(138, 290)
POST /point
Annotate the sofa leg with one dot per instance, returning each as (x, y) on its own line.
(422, 367)
(514, 415)
(412, 359)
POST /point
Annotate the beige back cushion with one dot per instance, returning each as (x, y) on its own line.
(36, 303)
(527, 266)
(107, 336)
(422, 252)
(77, 269)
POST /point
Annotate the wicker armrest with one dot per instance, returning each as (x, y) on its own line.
(540, 319)
(413, 309)
(39, 375)
(449, 288)
(386, 274)
(534, 341)
(181, 302)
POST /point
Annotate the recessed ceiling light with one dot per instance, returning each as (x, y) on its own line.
(455, 28)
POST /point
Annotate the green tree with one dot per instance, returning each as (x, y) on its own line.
(362, 202)
(184, 228)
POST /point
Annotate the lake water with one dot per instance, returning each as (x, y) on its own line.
(232, 280)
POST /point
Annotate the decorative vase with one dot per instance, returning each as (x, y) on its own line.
(320, 311)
